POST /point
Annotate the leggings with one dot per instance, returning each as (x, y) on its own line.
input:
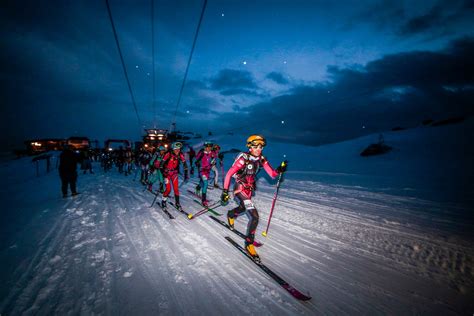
(246, 206)
(171, 179)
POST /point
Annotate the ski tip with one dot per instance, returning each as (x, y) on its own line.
(190, 216)
(296, 294)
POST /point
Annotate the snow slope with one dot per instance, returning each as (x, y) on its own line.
(347, 230)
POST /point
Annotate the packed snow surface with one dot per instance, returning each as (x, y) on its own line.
(389, 234)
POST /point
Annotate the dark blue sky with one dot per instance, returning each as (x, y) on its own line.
(303, 71)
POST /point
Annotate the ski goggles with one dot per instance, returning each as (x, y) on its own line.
(256, 143)
(176, 145)
(256, 146)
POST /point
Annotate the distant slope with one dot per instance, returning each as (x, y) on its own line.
(429, 162)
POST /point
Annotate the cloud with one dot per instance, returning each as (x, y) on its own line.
(195, 85)
(240, 91)
(396, 90)
(233, 79)
(277, 77)
(388, 13)
(439, 18)
(423, 22)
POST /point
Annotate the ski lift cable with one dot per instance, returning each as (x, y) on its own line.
(123, 64)
(153, 104)
(189, 62)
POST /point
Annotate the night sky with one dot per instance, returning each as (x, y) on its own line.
(308, 72)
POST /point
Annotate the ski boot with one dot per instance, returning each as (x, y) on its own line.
(198, 190)
(163, 204)
(249, 247)
(177, 204)
(216, 186)
(204, 200)
(230, 221)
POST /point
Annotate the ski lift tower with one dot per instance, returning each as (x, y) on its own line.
(154, 138)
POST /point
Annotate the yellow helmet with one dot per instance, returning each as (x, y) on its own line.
(256, 140)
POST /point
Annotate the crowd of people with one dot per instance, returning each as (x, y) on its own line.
(160, 168)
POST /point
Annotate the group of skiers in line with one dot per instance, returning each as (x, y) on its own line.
(163, 166)
(244, 171)
(122, 158)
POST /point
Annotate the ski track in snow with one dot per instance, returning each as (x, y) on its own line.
(353, 251)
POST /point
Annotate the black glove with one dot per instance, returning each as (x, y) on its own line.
(282, 167)
(225, 197)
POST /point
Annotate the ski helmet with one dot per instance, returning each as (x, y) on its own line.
(161, 148)
(207, 144)
(255, 140)
(176, 145)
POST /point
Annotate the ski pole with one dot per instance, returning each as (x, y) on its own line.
(264, 233)
(154, 200)
(222, 171)
(204, 210)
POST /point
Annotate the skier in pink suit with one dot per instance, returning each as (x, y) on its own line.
(244, 170)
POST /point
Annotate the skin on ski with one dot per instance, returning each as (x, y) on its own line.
(241, 235)
(180, 210)
(210, 210)
(294, 292)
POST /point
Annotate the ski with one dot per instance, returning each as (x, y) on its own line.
(179, 209)
(167, 213)
(152, 192)
(165, 210)
(212, 187)
(294, 292)
(194, 194)
(204, 210)
(210, 210)
(240, 234)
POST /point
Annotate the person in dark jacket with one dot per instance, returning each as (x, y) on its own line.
(68, 161)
